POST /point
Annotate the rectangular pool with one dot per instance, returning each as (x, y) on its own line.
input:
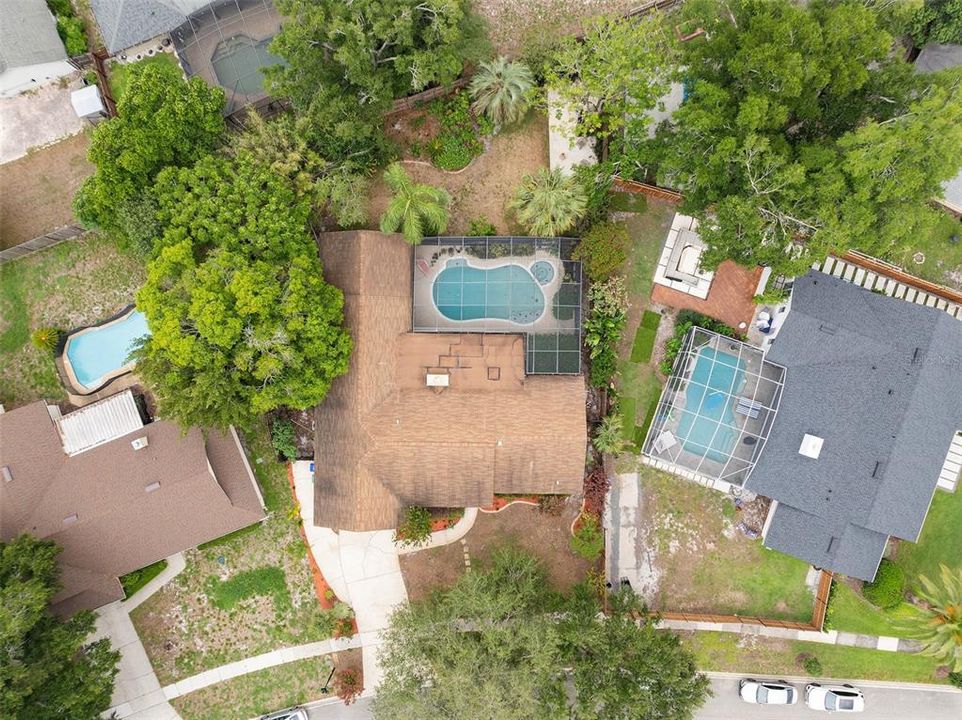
(707, 425)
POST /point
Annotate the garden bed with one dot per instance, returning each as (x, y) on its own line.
(546, 536)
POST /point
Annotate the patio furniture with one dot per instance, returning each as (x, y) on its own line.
(664, 441)
(748, 407)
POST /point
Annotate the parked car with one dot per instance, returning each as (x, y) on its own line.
(767, 692)
(292, 713)
(834, 698)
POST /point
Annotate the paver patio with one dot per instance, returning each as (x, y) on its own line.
(730, 299)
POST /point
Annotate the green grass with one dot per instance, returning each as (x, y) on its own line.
(645, 337)
(119, 73)
(941, 256)
(850, 612)
(940, 541)
(257, 693)
(260, 581)
(628, 202)
(133, 581)
(730, 652)
(227, 539)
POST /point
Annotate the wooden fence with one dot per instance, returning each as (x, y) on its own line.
(406, 103)
(653, 191)
(897, 273)
(55, 237)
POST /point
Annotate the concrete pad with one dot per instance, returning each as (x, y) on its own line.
(375, 600)
(39, 118)
(829, 638)
(847, 638)
(890, 644)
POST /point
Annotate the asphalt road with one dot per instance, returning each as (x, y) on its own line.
(334, 709)
(881, 703)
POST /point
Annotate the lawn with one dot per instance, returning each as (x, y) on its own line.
(247, 594)
(943, 259)
(705, 565)
(133, 581)
(119, 73)
(850, 612)
(730, 652)
(257, 693)
(69, 285)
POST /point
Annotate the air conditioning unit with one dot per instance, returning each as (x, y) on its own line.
(139, 443)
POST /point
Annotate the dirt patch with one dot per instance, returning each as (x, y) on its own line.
(484, 187)
(36, 190)
(523, 526)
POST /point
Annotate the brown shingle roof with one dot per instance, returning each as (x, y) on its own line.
(385, 440)
(205, 492)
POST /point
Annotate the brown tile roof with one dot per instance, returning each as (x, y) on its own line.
(385, 440)
(119, 526)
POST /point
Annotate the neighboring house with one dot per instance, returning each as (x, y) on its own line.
(436, 419)
(115, 493)
(127, 23)
(31, 52)
(932, 59)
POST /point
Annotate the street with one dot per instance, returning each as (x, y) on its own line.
(334, 709)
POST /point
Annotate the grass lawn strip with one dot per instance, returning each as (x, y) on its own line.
(850, 612)
(261, 597)
(749, 654)
(119, 73)
(940, 541)
(645, 337)
(134, 581)
(257, 693)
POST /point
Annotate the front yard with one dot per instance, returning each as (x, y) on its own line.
(248, 593)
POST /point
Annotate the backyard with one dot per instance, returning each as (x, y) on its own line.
(247, 593)
(942, 256)
(119, 73)
(69, 285)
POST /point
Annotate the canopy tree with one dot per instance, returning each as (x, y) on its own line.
(162, 121)
(47, 666)
(501, 644)
(242, 321)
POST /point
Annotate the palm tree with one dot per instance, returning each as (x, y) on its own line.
(415, 209)
(549, 203)
(940, 626)
(500, 90)
(609, 438)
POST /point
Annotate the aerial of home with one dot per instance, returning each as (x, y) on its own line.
(436, 357)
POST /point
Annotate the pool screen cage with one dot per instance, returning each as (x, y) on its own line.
(540, 296)
(716, 411)
(225, 43)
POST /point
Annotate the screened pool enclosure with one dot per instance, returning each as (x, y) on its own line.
(716, 410)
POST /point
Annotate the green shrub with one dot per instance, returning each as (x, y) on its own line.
(46, 338)
(685, 321)
(459, 140)
(415, 528)
(336, 620)
(812, 665)
(482, 227)
(596, 181)
(60, 7)
(71, 31)
(609, 437)
(888, 589)
(603, 250)
(588, 540)
(134, 581)
(955, 678)
(282, 438)
(603, 328)
(260, 581)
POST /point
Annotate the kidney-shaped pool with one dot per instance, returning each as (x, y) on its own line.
(506, 292)
(97, 354)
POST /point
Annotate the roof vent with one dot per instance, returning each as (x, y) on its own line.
(153, 487)
(7, 475)
(139, 443)
(811, 446)
(439, 380)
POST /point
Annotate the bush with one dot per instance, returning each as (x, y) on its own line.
(685, 321)
(596, 487)
(552, 505)
(482, 227)
(282, 438)
(888, 589)
(588, 540)
(603, 328)
(812, 665)
(458, 141)
(602, 250)
(71, 31)
(347, 685)
(596, 181)
(955, 678)
(46, 339)
(134, 581)
(337, 620)
(609, 437)
(415, 528)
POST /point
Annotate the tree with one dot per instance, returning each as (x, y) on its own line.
(603, 249)
(609, 437)
(242, 321)
(549, 203)
(618, 71)
(47, 667)
(940, 627)
(938, 21)
(415, 209)
(346, 63)
(501, 90)
(162, 120)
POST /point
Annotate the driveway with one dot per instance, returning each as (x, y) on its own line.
(35, 119)
(883, 701)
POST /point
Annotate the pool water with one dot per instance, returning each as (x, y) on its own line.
(102, 350)
(507, 292)
(237, 62)
(712, 432)
(543, 271)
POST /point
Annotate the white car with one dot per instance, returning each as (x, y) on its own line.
(767, 692)
(834, 698)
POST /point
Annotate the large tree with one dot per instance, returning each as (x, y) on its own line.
(500, 644)
(162, 121)
(242, 321)
(48, 668)
(347, 61)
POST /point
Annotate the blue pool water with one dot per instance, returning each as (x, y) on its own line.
(508, 292)
(543, 271)
(102, 350)
(711, 432)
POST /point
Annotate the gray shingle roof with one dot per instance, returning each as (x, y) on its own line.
(125, 23)
(880, 380)
(28, 35)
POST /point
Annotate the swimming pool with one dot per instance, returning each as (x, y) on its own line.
(507, 292)
(237, 62)
(97, 354)
(707, 425)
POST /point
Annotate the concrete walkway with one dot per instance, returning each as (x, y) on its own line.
(362, 569)
(447, 536)
(175, 566)
(627, 554)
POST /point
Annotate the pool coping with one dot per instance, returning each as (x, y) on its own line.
(67, 374)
